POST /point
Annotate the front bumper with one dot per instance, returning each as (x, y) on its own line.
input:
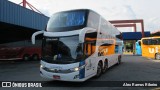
(74, 76)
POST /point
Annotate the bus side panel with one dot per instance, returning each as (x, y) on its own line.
(148, 51)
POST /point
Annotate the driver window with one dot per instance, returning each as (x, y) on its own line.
(79, 51)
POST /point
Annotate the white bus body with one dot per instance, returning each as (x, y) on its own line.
(78, 45)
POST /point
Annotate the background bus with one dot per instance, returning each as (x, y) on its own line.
(20, 50)
(138, 48)
(151, 47)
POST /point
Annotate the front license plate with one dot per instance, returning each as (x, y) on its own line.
(56, 77)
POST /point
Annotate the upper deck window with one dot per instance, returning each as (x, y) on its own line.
(67, 21)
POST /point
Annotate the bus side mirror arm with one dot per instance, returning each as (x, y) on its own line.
(83, 32)
(34, 36)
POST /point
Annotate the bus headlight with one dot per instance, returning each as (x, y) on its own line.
(41, 66)
(77, 68)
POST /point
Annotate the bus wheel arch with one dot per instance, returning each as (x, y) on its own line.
(26, 57)
(105, 67)
(99, 68)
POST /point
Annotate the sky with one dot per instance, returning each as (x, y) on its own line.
(148, 10)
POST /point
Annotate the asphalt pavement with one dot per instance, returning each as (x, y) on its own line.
(132, 68)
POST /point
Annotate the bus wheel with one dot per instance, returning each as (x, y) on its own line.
(99, 69)
(26, 57)
(105, 66)
(157, 56)
(35, 57)
(119, 61)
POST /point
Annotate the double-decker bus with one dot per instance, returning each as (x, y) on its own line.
(138, 48)
(151, 47)
(77, 45)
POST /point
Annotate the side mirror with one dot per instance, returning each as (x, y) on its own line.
(34, 36)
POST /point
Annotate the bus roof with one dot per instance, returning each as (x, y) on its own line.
(151, 37)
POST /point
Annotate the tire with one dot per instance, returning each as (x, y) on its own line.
(26, 57)
(157, 56)
(35, 57)
(119, 61)
(99, 69)
(105, 68)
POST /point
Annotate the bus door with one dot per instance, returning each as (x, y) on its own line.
(89, 49)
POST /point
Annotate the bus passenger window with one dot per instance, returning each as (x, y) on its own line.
(154, 42)
(158, 41)
(101, 51)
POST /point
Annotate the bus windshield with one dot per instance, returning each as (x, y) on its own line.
(71, 20)
(62, 50)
